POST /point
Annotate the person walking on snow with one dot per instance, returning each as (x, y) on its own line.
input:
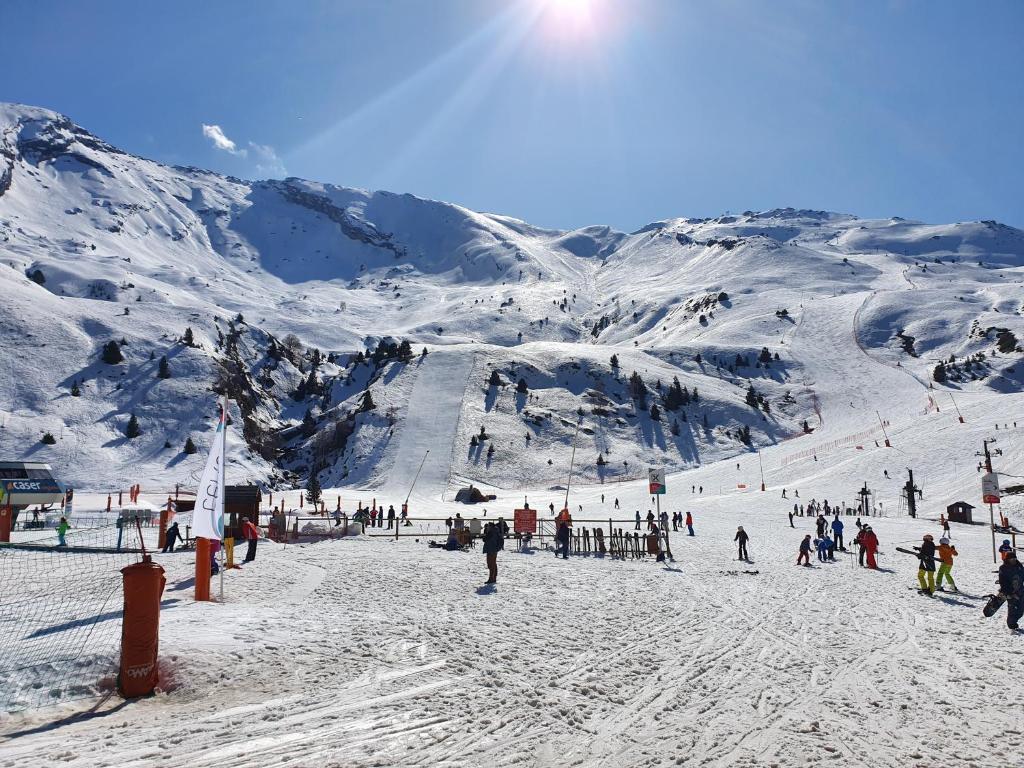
(741, 539)
(946, 554)
(870, 544)
(791, 520)
(563, 537)
(783, 493)
(1011, 586)
(926, 567)
(805, 551)
(251, 534)
(616, 503)
(837, 533)
(173, 534)
(492, 543)
(689, 524)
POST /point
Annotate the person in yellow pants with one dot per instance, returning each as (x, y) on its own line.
(926, 569)
(946, 554)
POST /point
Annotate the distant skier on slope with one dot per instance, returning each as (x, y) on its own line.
(791, 520)
(741, 539)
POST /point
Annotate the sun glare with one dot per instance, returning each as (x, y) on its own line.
(573, 20)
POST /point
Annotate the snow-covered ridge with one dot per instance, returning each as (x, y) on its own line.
(764, 314)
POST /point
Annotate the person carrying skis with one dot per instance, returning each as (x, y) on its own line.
(869, 540)
(563, 537)
(1011, 586)
(741, 539)
(689, 523)
(62, 530)
(173, 534)
(926, 567)
(492, 543)
(805, 551)
(946, 554)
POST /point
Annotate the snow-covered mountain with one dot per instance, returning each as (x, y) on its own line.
(298, 296)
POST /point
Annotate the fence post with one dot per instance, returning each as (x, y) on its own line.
(202, 569)
(140, 628)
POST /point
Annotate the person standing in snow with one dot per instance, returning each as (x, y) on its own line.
(602, 498)
(791, 520)
(637, 520)
(173, 534)
(823, 545)
(946, 554)
(837, 533)
(869, 540)
(689, 524)
(741, 539)
(821, 524)
(616, 503)
(650, 519)
(448, 523)
(805, 551)
(492, 543)
(563, 536)
(1011, 586)
(391, 516)
(783, 493)
(664, 520)
(62, 532)
(251, 534)
(926, 566)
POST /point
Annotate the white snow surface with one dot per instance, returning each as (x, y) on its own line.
(369, 651)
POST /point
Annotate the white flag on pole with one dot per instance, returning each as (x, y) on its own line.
(208, 517)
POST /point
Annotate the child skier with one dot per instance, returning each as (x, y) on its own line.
(946, 554)
(926, 568)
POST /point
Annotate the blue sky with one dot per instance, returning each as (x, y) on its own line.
(561, 112)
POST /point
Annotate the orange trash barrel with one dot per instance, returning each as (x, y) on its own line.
(140, 628)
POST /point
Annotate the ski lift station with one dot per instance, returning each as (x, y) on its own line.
(22, 484)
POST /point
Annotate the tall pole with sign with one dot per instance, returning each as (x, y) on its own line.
(656, 487)
(990, 494)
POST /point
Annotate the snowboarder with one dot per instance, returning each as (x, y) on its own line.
(870, 543)
(251, 534)
(1011, 587)
(492, 543)
(689, 524)
(946, 554)
(926, 567)
(563, 537)
(805, 551)
(837, 533)
(173, 534)
(741, 538)
(62, 531)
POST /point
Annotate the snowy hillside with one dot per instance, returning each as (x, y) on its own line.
(298, 298)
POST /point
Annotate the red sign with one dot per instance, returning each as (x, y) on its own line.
(524, 521)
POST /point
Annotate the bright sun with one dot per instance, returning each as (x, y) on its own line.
(572, 20)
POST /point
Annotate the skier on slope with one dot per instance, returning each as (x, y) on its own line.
(1011, 586)
(689, 523)
(741, 539)
(837, 533)
(62, 531)
(926, 567)
(805, 551)
(870, 543)
(946, 554)
(823, 545)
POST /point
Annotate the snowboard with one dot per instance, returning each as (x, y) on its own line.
(995, 602)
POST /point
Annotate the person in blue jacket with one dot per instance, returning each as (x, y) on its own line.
(837, 533)
(563, 537)
(824, 543)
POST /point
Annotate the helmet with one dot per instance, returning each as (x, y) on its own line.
(943, 540)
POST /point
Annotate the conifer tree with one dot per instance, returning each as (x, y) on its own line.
(132, 430)
(112, 353)
(313, 490)
(188, 339)
(367, 403)
(75, 391)
(165, 369)
(190, 447)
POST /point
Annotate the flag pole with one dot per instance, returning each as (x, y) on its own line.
(223, 488)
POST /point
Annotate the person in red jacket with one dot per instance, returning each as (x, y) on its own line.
(252, 536)
(870, 542)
